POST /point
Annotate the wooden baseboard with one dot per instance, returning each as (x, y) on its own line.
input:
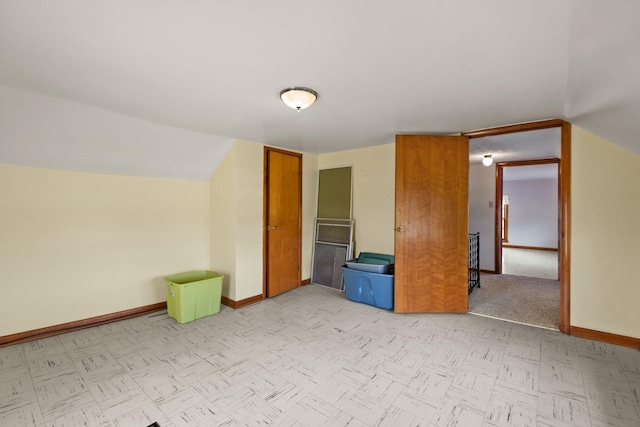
(237, 304)
(605, 337)
(487, 271)
(537, 248)
(305, 282)
(79, 324)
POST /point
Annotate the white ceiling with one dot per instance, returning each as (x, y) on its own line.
(380, 67)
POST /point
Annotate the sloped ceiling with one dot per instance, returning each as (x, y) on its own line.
(380, 68)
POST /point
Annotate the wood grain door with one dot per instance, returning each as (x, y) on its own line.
(431, 244)
(283, 207)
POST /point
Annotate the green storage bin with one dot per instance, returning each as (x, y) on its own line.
(193, 295)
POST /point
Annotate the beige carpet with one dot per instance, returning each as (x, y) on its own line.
(530, 263)
(522, 299)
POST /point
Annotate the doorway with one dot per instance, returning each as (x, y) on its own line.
(528, 210)
(527, 139)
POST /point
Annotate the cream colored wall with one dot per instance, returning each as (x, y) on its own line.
(309, 208)
(223, 207)
(237, 218)
(75, 245)
(249, 213)
(373, 194)
(605, 236)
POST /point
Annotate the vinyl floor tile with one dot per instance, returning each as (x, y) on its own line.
(312, 411)
(310, 357)
(451, 414)
(90, 415)
(417, 404)
(22, 416)
(559, 410)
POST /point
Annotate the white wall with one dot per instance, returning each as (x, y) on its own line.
(373, 194)
(533, 211)
(482, 194)
(41, 131)
(75, 245)
(605, 236)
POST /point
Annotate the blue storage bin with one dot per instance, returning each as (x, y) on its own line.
(373, 263)
(368, 288)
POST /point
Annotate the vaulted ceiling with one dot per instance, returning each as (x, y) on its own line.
(380, 67)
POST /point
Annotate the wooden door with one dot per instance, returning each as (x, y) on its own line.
(283, 207)
(431, 244)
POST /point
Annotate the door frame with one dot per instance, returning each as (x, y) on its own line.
(265, 215)
(564, 198)
(498, 205)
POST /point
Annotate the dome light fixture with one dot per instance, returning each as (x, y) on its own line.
(487, 160)
(298, 97)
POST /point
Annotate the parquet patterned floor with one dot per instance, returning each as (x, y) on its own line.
(312, 358)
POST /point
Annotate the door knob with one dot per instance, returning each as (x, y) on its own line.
(400, 229)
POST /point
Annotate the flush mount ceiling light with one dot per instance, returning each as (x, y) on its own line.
(298, 98)
(488, 160)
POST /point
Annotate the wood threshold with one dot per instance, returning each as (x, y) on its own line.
(243, 302)
(605, 337)
(536, 248)
(49, 331)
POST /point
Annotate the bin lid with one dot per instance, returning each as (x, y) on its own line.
(373, 258)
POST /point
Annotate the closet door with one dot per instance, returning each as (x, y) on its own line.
(431, 243)
(283, 219)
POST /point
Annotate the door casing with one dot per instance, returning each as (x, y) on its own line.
(498, 211)
(564, 198)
